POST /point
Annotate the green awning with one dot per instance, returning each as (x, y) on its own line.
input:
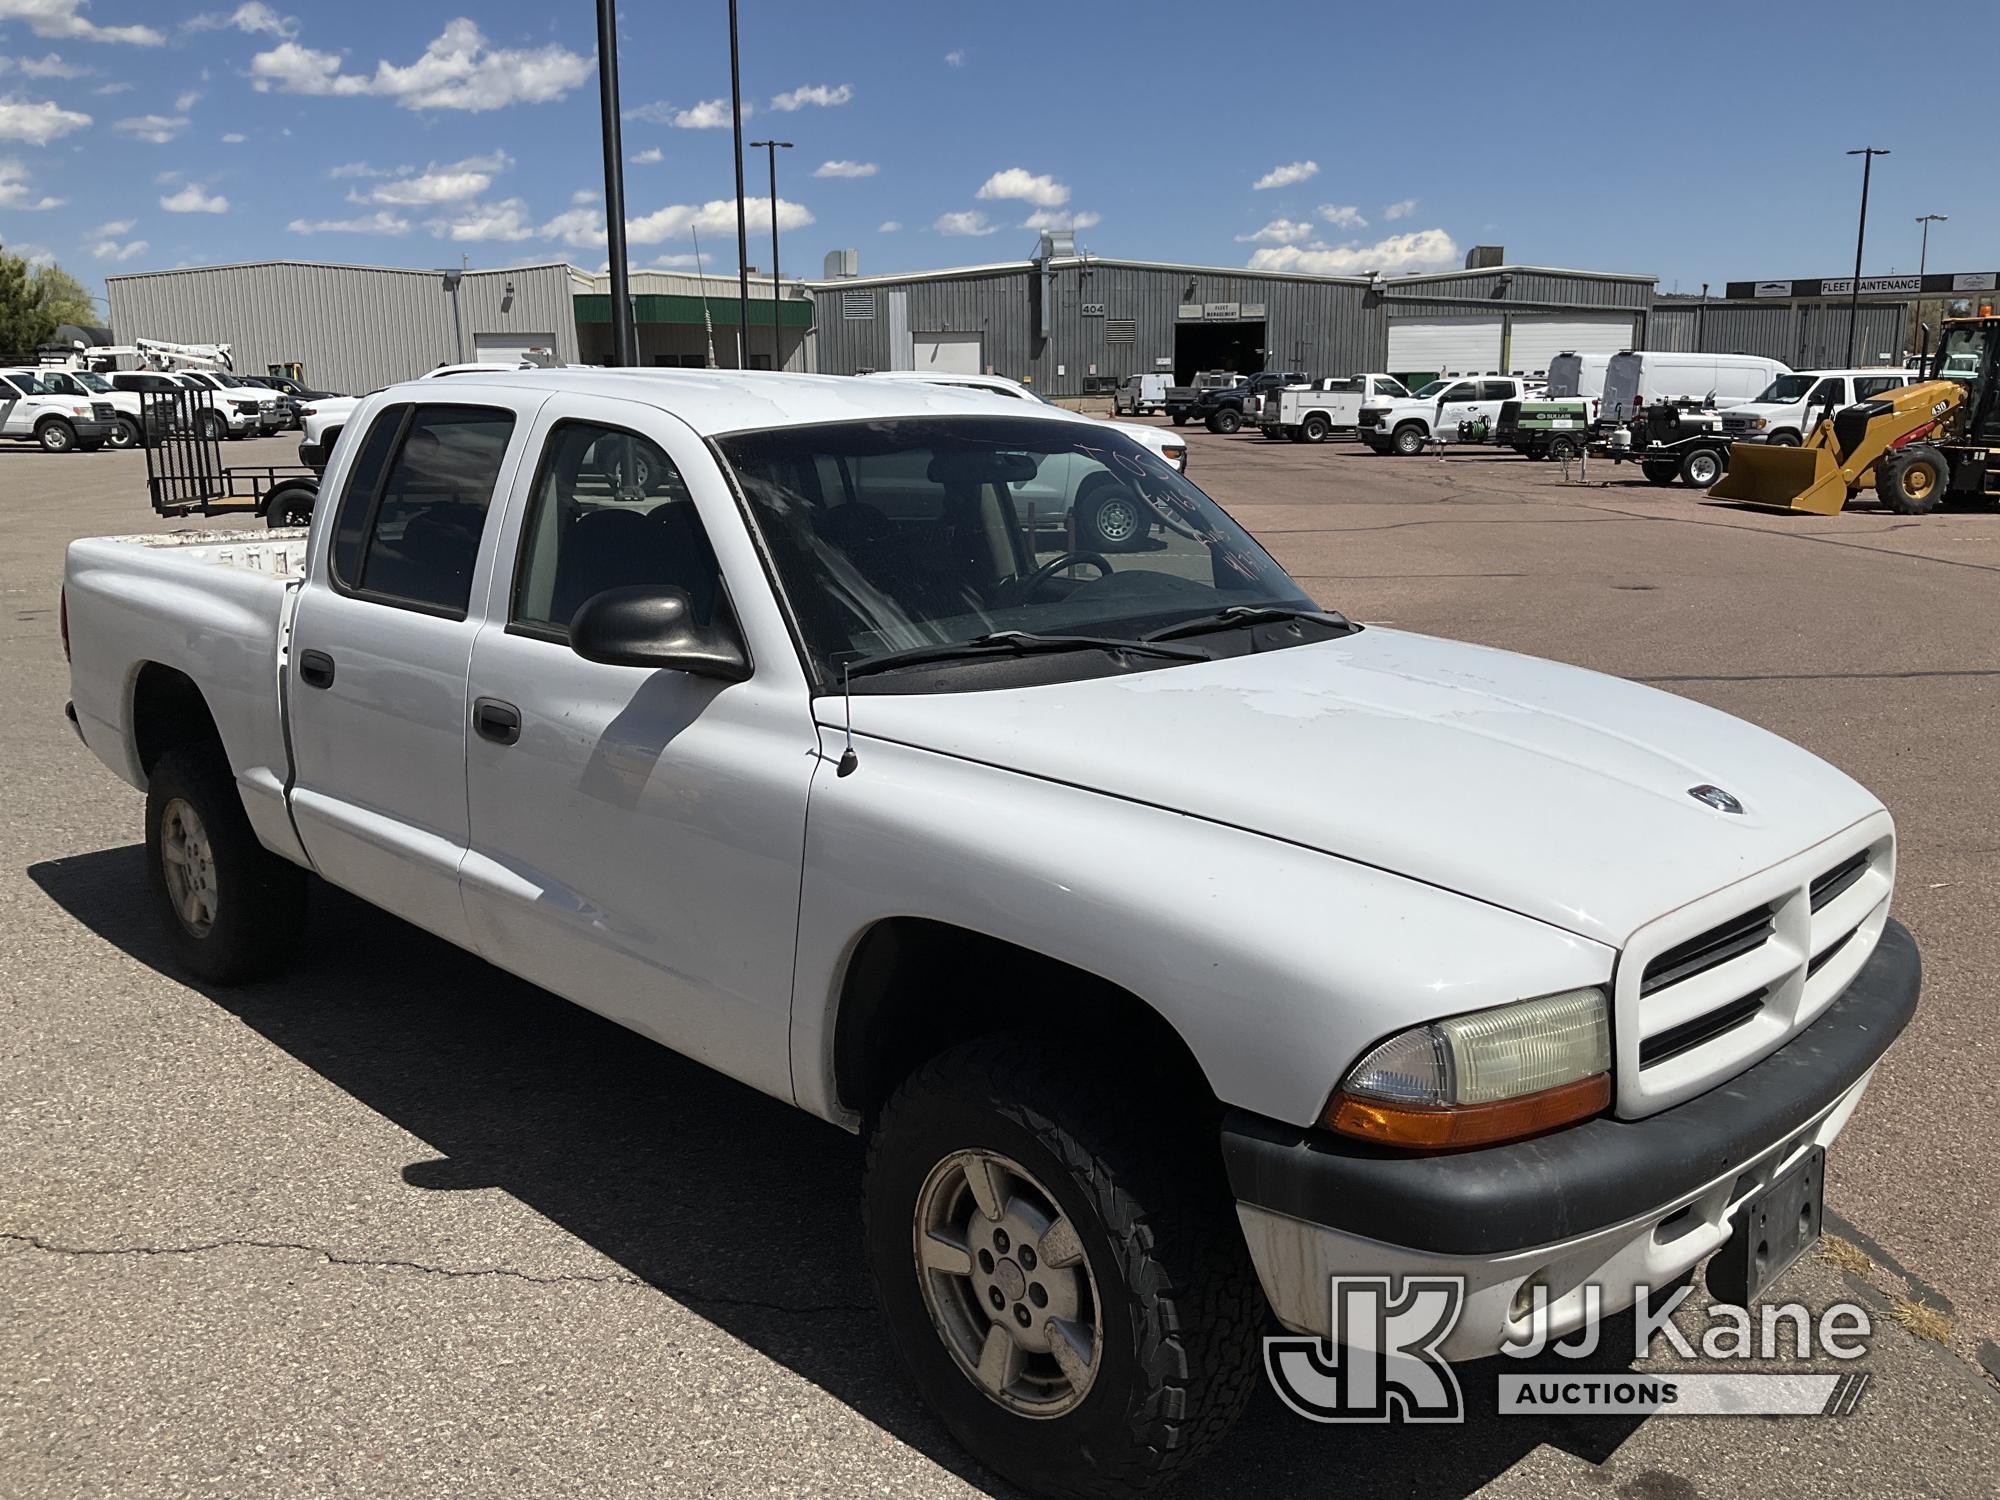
(595, 307)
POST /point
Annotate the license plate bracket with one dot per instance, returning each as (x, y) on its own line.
(1773, 1229)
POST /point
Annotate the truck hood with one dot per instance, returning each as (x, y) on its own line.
(1546, 789)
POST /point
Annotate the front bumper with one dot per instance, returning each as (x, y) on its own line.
(89, 429)
(312, 455)
(1612, 1203)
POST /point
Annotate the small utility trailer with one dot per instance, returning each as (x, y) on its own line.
(185, 474)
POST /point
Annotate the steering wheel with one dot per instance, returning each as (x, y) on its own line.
(1028, 583)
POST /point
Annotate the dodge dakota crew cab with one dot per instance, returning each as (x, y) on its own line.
(1175, 943)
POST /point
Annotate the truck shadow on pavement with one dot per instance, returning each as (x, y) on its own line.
(740, 1208)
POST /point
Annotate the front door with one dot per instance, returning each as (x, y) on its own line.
(636, 832)
(380, 650)
(13, 409)
(1459, 403)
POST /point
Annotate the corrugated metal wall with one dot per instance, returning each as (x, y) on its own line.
(1805, 335)
(355, 327)
(1486, 291)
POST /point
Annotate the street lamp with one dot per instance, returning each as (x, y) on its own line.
(771, 150)
(1923, 257)
(1867, 155)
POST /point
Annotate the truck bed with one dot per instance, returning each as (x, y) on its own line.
(212, 605)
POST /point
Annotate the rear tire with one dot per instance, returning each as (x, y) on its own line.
(233, 911)
(1660, 470)
(1225, 421)
(1180, 419)
(1314, 429)
(1152, 1269)
(1561, 449)
(1409, 440)
(55, 435)
(125, 433)
(1701, 467)
(1912, 482)
(289, 505)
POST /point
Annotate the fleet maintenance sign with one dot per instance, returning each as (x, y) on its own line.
(1871, 286)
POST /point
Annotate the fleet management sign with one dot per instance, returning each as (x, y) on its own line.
(1871, 286)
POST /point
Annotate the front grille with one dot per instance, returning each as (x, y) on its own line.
(1702, 1029)
(1838, 881)
(1707, 950)
(1735, 424)
(103, 410)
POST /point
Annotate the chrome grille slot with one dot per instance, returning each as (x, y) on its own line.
(1702, 1029)
(1837, 881)
(1708, 950)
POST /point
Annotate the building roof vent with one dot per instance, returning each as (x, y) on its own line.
(1485, 257)
(842, 263)
(1058, 244)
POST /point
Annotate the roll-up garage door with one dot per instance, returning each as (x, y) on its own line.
(1537, 339)
(1445, 346)
(506, 348)
(947, 353)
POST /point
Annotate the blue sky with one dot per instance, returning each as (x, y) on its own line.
(141, 134)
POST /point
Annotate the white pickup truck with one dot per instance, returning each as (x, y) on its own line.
(1313, 412)
(1436, 410)
(1175, 944)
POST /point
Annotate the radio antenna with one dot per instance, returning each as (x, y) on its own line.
(848, 759)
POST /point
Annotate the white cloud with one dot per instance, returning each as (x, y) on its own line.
(1402, 208)
(251, 17)
(60, 18)
(457, 71)
(35, 255)
(647, 157)
(113, 88)
(192, 200)
(1279, 232)
(1037, 188)
(684, 261)
(187, 101)
(716, 216)
(455, 183)
(889, 226)
(235, 138)
(159, 129)
(16, 193)
(37, 122)
(1342, 215)
(583, 195)
(112, 250)
(814, 94)
(581, 228)
(972, 221)
(506, 220)
(955, 58)
(845, 169)
(363, 169)
(382, 221)
(51, 66)
(1285, 176)
(1420, 250)
(710, 114)
(1049, 218)
(110, 229)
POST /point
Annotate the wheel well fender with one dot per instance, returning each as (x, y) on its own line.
(168, 713)
(914, 987)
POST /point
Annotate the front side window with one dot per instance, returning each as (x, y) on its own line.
(609, 511)
(1831, 391)
(1875, 385)
(897, 534)
(408, 528)
(8, 388)
(1787, 389)
(1465, 390)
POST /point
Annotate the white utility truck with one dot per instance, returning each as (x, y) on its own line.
(1175, 943)
(1313, 412)
(1439, 410)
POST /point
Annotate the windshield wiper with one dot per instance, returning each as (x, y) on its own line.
(1252, 614)
(1019, 643)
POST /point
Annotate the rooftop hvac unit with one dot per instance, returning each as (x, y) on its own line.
(1485, 257)
(1058, 244)
(842, 263)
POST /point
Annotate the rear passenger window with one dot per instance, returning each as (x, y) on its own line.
(410, 518)
(1496, 390)
(610, 511)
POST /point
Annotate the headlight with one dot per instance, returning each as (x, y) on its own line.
(1493, 1075)
(1758, 424)
(1175, 455)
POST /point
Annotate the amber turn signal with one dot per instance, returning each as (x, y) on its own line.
(1434, 1128)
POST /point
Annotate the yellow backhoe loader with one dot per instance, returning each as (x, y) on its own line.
(1924, 443)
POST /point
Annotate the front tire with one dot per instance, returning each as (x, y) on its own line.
(233, 910)
(1701, 467)
(56, 436)
(1123, 1344)
(210, 428)
(1409, 440)
(1783, 440)
(1110, 518)
(1180, 419)
(1912, 481)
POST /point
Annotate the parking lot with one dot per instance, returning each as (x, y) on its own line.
(403, 1225)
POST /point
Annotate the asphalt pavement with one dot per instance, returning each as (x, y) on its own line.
(400, 1225)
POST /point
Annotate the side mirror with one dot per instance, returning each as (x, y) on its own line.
(653, 625)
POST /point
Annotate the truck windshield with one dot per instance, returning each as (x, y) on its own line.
(1428, 392)
(90, 382)
(1788, 388)
(891, 535)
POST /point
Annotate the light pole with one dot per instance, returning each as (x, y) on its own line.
(771, 150)
(624, 337)
(1867, 155)
(1923, 256)
(742, 225)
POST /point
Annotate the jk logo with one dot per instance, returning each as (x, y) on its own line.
(1381, 1364)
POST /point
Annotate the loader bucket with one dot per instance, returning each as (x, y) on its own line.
(1783, 478)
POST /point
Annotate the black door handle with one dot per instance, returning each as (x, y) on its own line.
(316, 669)
(496, 720)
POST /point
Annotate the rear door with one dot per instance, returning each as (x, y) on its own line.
(13, 409)
(381, 646)
(636, 844)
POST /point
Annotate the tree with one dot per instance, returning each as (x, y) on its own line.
(25, 324)
(62, 297)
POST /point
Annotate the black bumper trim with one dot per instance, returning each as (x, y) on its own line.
(1587, 1177)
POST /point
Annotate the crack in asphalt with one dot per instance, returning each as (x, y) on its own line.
(609, 1278)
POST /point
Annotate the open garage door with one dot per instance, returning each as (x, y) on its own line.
(947, 353)
(1427, 347)
(1235, 346)
(1535, 340)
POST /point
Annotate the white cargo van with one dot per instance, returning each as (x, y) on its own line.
(1572, 374)
(1142, 395)
(1640, 376)
(1786, 411)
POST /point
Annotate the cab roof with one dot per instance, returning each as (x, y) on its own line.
(719, 401)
